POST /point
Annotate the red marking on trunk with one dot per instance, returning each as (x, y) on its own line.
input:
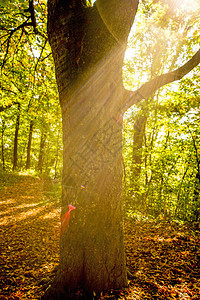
(65, 219)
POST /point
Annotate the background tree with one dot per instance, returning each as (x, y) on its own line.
(28, 158)
(28, 81)
(166, 41)
(161, 28)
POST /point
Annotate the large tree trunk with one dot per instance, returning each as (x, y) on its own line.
(88, 51)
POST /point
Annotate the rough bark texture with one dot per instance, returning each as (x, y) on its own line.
(88, 48)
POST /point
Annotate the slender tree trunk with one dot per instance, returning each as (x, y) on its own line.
(138, 137)
(139, 131)
(57, 154)
(141, 120)
(48, 161)
(2, 144)
(196, 198)
(42, 151)
(15, 154)
(179, 209)
(28, 158)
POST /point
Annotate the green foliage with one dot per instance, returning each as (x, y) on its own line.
(28, 80)
(161, 177)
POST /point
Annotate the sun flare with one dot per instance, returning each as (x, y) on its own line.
(186, 5)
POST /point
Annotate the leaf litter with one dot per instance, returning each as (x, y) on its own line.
(163, 258)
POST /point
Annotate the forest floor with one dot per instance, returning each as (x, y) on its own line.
(163, 259)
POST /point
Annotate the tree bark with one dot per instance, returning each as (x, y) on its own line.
(57, 154)
(15, 154)
(2, 144)
(88, 52)
(28, 159)
(138, 136)
(196, 200)
(42, 150)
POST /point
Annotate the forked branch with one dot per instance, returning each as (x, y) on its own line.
(148, 88)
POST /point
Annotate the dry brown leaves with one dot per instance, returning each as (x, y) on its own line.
(163, 259)
(29, 235)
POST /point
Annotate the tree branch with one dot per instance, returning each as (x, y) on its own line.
(148, 88)
(41, 52)
(25, 24)
(2, 108)
(32, 12)
(6, 90)
(118, 16)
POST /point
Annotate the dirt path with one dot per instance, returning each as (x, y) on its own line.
(29, 239)
(163, 259)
